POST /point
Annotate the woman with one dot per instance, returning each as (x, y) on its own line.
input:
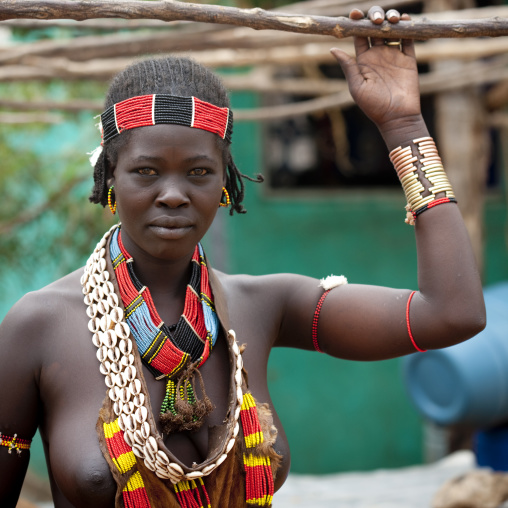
(153, 310)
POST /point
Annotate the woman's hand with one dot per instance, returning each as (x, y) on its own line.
(383, 78)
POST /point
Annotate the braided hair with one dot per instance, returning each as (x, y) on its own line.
(174, 76)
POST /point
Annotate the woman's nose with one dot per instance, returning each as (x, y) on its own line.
(172, 194)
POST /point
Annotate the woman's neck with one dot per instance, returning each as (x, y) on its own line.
(165, 278)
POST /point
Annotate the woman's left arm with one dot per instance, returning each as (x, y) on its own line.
(368, 322)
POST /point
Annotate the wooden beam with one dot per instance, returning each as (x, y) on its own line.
(120, 45)
(319, 7)
(195, 37)
(237, 44)
(22, 118)
(87, 24)
(498, 120)
(38, 68)
(335, 92)
(256, 18)
(463, 140)
(497, 97)
(340, 7)
(74, 106)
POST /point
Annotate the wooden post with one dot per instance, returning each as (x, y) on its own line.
(462, 133)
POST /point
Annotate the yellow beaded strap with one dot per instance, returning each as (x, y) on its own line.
(134, 492)
(14, 443)
(413, 170)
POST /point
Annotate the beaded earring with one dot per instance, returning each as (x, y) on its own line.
(112, 206)
(226, 197)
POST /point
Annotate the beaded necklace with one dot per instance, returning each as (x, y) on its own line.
(171, 352)
(131, 436)
(112, 337)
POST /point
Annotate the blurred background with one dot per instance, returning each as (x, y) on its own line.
(331, 202)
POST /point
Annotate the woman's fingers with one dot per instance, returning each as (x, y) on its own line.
(346, 62)
(376, 14)
(407, 46)
(361, 43)
(349, 67)
(393, 16)
(356, 14)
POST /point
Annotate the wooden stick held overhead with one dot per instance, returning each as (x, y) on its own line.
(258, 19)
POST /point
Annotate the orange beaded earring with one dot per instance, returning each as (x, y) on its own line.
(226, 197)
(112, 206)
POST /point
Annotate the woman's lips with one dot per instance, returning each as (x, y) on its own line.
(170, 232)
(170, 228)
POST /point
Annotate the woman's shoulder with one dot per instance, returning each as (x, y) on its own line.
(276, 283)
(36, 309)
(65, 289)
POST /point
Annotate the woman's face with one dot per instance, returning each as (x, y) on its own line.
(168, 183)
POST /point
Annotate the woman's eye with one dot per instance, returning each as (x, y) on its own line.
(199, 172)
(146, 172)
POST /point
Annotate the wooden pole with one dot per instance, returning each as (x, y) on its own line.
(462, 132)
(334, 91)
(257, 19)
(42, 68)
(316, 7)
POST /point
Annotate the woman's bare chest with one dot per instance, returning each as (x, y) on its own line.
(74, 392)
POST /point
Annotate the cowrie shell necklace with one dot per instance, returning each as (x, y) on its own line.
(115, 352)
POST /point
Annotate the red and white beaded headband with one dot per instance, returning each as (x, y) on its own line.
(145, 110)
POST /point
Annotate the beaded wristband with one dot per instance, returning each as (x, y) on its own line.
(407, 165)
(14, 443)
(419, 349)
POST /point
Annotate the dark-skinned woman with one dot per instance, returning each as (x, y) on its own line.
(146, 370)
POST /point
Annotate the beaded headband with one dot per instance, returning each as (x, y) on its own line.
(145, 110)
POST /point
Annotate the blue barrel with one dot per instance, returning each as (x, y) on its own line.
(491, 448)
(466, 383)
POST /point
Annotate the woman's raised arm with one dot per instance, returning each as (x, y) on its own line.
(367, 322)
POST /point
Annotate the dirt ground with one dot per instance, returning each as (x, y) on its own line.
(412, 487)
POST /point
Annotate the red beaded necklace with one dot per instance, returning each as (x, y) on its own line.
(174, 353)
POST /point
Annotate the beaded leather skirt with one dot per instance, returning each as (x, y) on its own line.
(138, 487)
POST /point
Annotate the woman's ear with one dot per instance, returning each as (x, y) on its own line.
(110, 180)
(110, 172)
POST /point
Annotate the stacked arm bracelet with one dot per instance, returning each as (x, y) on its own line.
(412, 168)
